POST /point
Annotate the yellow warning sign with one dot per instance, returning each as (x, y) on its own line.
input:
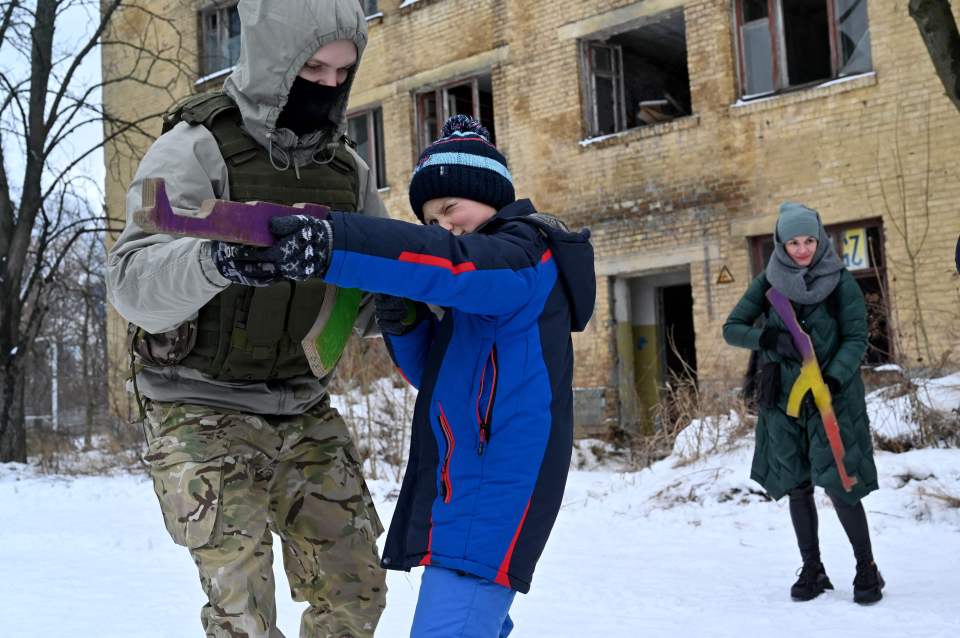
(725, 276)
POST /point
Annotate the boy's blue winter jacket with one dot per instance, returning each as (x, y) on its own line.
(493, 424)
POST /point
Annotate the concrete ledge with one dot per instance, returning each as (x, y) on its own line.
(641, 132)
(441, 74)
(637, 263)
(832, 87)
(764, 224)
(622, 17)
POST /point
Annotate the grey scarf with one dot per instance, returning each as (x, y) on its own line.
(806, 285)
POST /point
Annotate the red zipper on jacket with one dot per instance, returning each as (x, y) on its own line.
(485, 415)
(446, 487)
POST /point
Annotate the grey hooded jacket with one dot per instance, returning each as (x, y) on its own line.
(157, 281)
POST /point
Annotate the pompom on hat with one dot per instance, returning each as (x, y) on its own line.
(462, 163)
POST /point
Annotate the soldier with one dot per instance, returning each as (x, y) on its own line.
(242, 440)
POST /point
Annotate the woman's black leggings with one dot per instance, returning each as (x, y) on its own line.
(803, 513)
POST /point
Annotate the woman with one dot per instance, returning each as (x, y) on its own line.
(793, 454)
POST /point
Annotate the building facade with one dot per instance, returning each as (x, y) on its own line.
(673, 129)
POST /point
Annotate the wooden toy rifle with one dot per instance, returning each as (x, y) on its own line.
(811, 379)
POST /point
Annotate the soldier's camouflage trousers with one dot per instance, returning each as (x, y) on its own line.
(226, 479)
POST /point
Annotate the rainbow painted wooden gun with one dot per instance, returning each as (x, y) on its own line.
(237, 222)
(249, 223)
(811, 379)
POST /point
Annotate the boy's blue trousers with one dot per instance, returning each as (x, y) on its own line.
(457, 605)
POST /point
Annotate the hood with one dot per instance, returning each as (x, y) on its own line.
(573, 254)
(277, 37)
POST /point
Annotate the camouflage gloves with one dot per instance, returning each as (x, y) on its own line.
(303, 247)
(396, 315)
(245, 265)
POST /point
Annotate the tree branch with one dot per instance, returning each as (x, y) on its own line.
(938, 29)
(7, 19)
(123, 129)
(108, 12)
(41, 36)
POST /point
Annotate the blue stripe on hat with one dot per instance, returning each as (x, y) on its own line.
(466, 159)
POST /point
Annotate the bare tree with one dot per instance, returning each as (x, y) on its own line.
(938, 29)
(46, 105)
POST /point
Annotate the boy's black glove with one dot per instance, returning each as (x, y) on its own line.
(245, 265)
(396, 315)
(303, 246)
(780, 341)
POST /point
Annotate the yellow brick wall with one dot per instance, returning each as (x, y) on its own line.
(881, 145)
(152, 84)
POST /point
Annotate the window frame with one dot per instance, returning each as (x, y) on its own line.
(440, 93)
(222, 9)
(780, 78)
(377, 143)
(588, 50)
(624, 112)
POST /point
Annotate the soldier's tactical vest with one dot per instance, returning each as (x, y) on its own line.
(254, 333)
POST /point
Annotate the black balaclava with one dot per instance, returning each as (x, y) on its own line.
(308, 106)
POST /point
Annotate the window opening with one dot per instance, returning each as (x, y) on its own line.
(220, 39)
(638, 76)
(792, 43)
(366, 131)
(473, 97)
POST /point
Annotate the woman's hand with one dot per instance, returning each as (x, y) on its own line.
(779, 341)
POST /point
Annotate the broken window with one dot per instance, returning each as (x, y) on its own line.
(366, 130)
(789, 43)
(473, 96)
(638, 76)
(220, 39)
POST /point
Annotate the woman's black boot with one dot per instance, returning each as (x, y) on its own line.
(867, 584)
(812, 582)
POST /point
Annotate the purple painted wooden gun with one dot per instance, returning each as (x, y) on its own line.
(237, 222)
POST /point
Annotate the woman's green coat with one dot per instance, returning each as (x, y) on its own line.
(790, 451)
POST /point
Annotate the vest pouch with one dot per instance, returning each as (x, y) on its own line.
(254, 339)
(340, 165)
(304, 309)
(165, 348)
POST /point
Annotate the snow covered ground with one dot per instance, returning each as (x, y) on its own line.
(679, 549)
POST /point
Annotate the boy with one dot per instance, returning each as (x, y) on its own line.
(492, 430)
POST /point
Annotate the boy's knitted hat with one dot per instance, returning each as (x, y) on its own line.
(462, 163)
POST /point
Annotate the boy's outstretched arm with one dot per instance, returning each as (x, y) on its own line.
(478, 273)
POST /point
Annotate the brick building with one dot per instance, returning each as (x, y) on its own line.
(673, 129)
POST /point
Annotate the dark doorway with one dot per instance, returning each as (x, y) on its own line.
(878, 341)
(679, 338)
